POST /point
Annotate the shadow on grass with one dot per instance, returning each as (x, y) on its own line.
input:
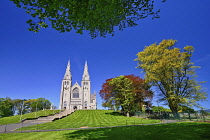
(164, 131)
(87, 134)
(114, 114)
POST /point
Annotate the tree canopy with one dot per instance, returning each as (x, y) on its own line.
(160, 108)
(171, 71)
(186, 109)
(99, 17)
(37, 104)
(5, 107)
(129, 92)
(9, 107)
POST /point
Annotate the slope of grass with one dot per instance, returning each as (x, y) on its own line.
(172, 131)
(17, 118)
(90, 118)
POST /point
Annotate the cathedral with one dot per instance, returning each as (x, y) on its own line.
(76, 96)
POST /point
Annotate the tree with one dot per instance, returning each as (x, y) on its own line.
(19, 106)
(184, 108)
(142, 93)
(171, 71)
(6, 107)
(108, 105)
(122, 88)
(9, 107)
(130, 92)
(160, 108)
(99, 17)
(37, 104)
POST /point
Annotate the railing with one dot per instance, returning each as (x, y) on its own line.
(184, 116)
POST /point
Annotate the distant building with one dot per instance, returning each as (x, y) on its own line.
(76, 96)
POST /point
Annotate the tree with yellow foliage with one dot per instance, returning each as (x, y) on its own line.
(171, 71)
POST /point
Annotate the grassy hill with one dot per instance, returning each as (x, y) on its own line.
(17, 118)
(91, 118)
(171, 131)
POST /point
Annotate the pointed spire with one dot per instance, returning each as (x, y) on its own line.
(86, 74)
(86, 63)
(68, 72)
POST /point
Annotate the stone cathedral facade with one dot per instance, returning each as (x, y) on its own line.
(76, 96)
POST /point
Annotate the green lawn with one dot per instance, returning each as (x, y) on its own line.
(172, 131)
(16, 118)
(91, 118)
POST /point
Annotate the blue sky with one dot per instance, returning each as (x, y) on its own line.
(32, 65)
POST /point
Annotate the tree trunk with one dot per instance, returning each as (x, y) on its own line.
(122, 110)
(174, 109)
(176, 115)
(128, 115)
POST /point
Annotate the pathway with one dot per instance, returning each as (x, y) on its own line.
(19, 125)
(10, 127)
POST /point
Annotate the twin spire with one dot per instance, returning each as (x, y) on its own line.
(86, 75)
(68, 75)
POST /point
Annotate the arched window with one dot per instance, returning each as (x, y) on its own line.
(76, 93)
(65, 103)
(85, 104)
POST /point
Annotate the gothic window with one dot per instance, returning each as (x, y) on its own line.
(65, 104)
(85, 103)
(86, 83)
(76, 93)
(67, 82)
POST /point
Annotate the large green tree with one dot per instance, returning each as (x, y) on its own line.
(19, 106)
(160, 108)
(171, 71)
(122, 88)
(9, 107)
(130, 92)
(37, 104)
(99, 17)
(6, 107)
(186, 109)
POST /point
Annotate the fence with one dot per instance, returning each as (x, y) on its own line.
(184, 116)
(139, 119)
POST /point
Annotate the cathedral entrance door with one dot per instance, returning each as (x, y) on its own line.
(75, 107)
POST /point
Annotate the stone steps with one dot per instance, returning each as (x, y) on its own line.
(50, 118)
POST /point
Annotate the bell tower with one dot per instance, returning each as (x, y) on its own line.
(86, 87)
(66, 85)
